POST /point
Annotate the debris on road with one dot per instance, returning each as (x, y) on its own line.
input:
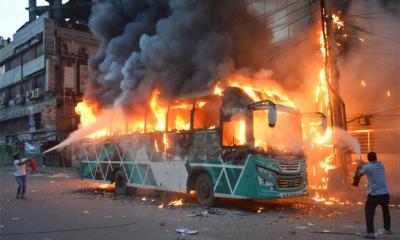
(60, 175)
(301, 227)
(185, 231)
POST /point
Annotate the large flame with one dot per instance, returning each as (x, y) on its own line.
(159, 111)
(156, 119)
(87, 115)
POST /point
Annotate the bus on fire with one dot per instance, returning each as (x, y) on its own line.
(216, 145)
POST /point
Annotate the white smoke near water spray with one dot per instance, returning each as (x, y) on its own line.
(343, 140)
(113, 117)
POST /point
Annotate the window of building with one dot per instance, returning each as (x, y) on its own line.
(39, 50)
(2, 69)
(15, 62)
(14, 91)
(206, 113)
(26, 86)
(40, 81)
(38, 120)
(234, 131)
(27, 57)
(7, 66)
(179, 115)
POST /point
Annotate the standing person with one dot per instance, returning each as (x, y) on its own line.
(377, 194)
(20, 175)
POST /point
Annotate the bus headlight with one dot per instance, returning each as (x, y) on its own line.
(266, 172)
(263, 182)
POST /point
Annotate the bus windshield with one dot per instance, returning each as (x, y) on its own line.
(283, 139)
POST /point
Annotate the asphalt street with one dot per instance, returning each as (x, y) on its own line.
(60, 206)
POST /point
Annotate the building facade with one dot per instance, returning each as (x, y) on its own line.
(43, 73)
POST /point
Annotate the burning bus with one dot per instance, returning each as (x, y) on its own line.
(232, 142)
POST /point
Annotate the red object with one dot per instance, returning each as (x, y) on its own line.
(356, 177)
(33, 164)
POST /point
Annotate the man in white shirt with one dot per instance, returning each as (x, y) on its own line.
(20, 175)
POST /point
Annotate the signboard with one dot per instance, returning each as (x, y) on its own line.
(31, 149)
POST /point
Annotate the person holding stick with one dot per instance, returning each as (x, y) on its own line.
(20, 175)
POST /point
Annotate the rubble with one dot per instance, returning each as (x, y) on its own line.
(185, 231)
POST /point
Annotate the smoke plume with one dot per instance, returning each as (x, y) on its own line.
(176, 45)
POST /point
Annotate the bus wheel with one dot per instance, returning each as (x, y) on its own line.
(204, 190)
(120, 183)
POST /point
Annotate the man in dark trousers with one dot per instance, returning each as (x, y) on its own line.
(20, 175)
(377, 194)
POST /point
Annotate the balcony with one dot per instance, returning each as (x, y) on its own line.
(17, 74)
(10, 77)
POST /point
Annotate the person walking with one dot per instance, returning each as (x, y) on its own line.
(20, 175)
(377, 194)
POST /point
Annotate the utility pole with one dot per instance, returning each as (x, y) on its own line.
(337, 106)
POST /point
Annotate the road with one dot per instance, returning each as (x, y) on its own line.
(60, 206)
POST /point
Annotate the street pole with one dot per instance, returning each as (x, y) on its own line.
(337, 106)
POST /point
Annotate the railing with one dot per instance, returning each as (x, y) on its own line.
(10, 77)
(17, 74)
(384, 141)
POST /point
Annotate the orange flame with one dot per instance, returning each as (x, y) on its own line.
(176, 203)
(158, 111)
(87, 115)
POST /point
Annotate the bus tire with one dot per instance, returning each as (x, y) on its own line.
(204, 190)
(120, 183)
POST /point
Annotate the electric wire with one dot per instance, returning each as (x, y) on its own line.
(290, 13)
(67, 230)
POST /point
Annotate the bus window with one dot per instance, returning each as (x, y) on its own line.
(284, 138)
(179, 116)
(135, 124)
(206, 113)
(155, 120)
(234, 131)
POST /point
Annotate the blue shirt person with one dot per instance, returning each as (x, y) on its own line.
(378, 194)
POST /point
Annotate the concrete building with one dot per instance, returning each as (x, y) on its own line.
(43, 73)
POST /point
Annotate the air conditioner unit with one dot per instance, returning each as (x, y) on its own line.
(32, 94)
(19, 99)
(28, 94)
(37, 93)
(11, 103)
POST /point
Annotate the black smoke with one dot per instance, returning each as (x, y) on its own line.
(179, 46)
